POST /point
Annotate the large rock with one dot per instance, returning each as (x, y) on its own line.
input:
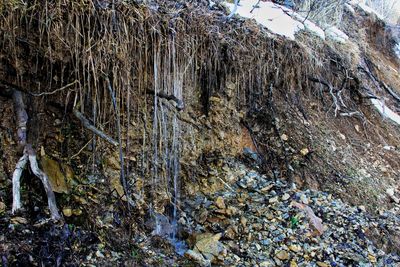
(197, 257)
(58, 179)
(208, 245)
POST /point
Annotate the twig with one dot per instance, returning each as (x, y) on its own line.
(8, 89)
(90, 127)
(390, 91)
(56, 90)
(80, 150)
(334, 98)
(257, 5)
(379, 83)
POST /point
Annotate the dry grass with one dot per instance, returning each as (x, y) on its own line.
(324, 13)
(47, 44)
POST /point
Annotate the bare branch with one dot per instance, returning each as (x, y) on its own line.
(334, 98)
(56, 90)
(90, 127)
(233, 11)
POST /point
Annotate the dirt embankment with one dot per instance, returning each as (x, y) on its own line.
(300, 107)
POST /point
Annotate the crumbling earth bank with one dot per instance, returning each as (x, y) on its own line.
(214, 95)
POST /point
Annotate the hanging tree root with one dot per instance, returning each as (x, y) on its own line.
(29, 155)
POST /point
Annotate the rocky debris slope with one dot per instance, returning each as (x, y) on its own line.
(256, 221)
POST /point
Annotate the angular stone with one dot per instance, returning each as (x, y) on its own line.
(295, 248)
(116, 183)
(220, 203)
(67, 212)
(208, 244)
(304, 199)
(2, 207)
(56, 176)
(19, 220)
(197, 257)
(266, 264)
(243, 221)
(231, 232)
(112, 161)
(390, 192)
(362, 208)
(273, 200)
(231, 211)
(282, 255)
(372, 258)
(304, 151)
(267, 188)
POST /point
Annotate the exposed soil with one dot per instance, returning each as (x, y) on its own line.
(250, 98)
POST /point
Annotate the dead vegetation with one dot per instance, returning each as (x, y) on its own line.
(118, 69)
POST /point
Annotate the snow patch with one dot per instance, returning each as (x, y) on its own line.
(278, 19)
(336, 35)
(385, 110)
(397, 50)
(270, 15)
(310, 26)
(313, 28)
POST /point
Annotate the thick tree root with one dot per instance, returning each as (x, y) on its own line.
(17, 184)
(29, 155)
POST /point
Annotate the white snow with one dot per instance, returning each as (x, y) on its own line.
(336, 35)
(278, 19)
(369, 10)
(270, 15)
(310, 26)
(350, 8)
(313, 28)
(397, 50)
(385, 110)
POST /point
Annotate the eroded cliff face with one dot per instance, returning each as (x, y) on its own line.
(204, 109)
